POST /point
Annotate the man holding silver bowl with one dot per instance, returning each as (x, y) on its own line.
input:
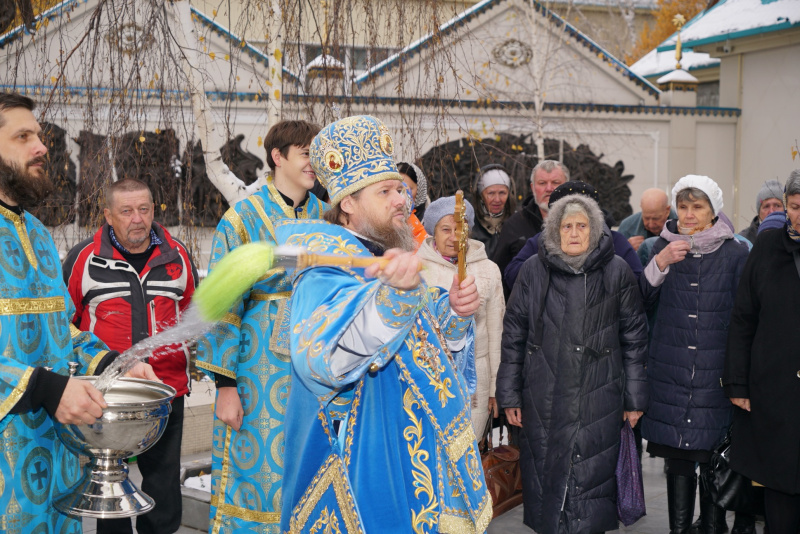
(37, 340)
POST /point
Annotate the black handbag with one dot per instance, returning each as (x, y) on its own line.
(727, 488)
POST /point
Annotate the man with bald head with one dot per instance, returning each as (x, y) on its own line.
(650, 221)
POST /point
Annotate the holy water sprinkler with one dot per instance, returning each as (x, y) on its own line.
(238, 270)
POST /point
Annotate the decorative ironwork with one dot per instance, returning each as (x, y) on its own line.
(149, 157)
(512, 53)
(204, 205)
(130, 38)
(454, 165)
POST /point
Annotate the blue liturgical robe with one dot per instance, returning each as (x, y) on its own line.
(376, 442)
(251, 345)
(35, 331)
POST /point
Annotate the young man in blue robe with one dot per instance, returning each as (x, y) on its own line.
(379, 437)
(37, 341)
(248, 352)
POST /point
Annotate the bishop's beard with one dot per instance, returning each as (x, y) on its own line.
(387, 235)
(24, 186)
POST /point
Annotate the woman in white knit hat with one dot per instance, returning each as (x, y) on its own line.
(691, 280)
(440, 256)
(494, 204)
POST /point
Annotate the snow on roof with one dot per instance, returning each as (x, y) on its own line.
(656, 63)
(678, 75)
(733, 19)
(325, 62)
(639, 4)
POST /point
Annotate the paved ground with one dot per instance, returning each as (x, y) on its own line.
(655, 494)
(655, 522)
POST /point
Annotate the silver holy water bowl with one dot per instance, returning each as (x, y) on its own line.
(135, 418)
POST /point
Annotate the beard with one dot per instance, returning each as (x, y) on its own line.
(544, 205)
(28, 187)
(387, 235)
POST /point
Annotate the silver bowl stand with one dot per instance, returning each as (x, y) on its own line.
(134, 420)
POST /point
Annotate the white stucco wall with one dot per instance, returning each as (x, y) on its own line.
(770, 122)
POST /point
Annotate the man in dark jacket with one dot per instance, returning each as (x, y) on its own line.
(768, 200)
(131, 280)
(572, 368)
(526, 223)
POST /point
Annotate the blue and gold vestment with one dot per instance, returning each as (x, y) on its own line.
(383, 444)
(35, 331)
(251, 346)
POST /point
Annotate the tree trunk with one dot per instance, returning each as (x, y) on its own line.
(211, 137)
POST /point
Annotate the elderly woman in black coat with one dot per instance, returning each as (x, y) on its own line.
(762, 368)
(572, 369)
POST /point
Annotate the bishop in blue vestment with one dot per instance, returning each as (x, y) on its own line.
(378, 433)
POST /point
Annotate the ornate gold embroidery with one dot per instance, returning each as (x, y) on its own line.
(271, 273)
(330, 474)
(261, 296)
(19, 226)
(319, 242)
(223, 482)
(34, 305)
(426, 357)
(249, 515)
(288, 211)
(423, 481)
(95, 361)
(458, 446)
(406, 377)
(238, 225)
(263, 215)
(453, 524)
(281, 324)
(348, 442)
(232, 319)
(474, 468)
(215, 369)
(327, 523)
(15, 395)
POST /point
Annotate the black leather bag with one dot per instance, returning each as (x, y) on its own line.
(727, 488)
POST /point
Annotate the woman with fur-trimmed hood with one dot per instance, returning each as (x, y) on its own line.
(572, 369)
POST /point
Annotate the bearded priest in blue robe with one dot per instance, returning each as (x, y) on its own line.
(379, 437)
(37, 341)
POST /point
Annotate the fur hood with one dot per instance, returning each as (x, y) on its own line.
(551, 233)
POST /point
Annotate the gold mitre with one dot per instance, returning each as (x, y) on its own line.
(352, 153)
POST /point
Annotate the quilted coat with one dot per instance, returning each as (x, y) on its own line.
(574, 387)
(694, 298)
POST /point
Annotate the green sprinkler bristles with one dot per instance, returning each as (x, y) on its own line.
(235, 273)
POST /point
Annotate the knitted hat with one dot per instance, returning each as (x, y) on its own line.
(573, 188)
(493, 177)
(770, 189)
(442, 208)
(704, 184)
(351, 154)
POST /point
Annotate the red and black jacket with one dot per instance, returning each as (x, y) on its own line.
(122, 307)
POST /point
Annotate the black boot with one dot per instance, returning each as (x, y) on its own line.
(681, 491)
(744, 524)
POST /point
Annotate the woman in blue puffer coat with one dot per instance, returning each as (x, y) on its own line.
(691, 278)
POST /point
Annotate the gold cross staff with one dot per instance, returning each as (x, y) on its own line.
(462, 234)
